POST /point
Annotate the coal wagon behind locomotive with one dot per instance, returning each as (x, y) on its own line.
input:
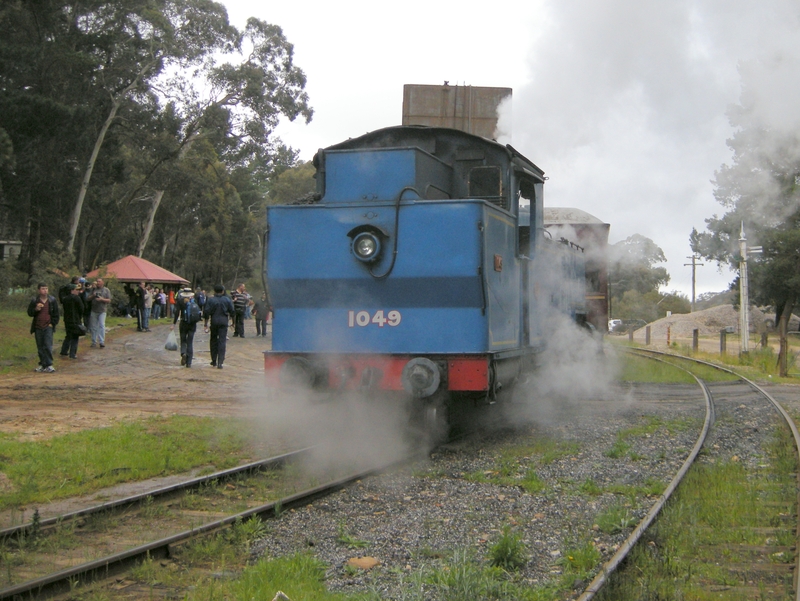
(420, 266)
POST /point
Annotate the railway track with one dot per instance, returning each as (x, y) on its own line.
(386, 505)
(148, 507)
(759, 573)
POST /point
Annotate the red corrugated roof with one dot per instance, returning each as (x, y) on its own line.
(136, 269)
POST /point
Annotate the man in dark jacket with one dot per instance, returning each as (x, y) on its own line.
(44, 310)
(261, 311)
(73, 322)
(187, 327)
(219, 309)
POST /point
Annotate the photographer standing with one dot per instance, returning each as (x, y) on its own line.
(99, 298)
(44, 310)
(73, 321)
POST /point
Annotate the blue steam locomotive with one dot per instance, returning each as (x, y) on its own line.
(420, 266)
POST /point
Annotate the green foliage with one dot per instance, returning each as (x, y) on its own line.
(591, 488)
(631, 266)
(531, 483)
(54, 268)
(580, 561)
(760, 192)
(293, 184)
(509, 551)
(11, 278)
(616, 518)
(348, 539)
(142, 101)
(299, 576)
(245, 532)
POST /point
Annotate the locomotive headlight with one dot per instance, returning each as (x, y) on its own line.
(366, 247)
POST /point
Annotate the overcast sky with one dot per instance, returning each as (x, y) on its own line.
(622, 103)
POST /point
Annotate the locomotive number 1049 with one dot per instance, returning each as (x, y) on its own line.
(380, 318)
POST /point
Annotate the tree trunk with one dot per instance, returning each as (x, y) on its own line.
(783, 329)
(185, 145)
(116, 102)
(150, 220)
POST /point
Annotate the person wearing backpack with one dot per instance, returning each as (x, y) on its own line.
(188, 311)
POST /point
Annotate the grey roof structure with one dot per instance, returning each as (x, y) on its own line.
(568, 216)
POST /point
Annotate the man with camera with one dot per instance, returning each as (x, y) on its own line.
(99, 298)
(73, 321)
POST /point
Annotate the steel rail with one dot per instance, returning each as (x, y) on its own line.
(612, 564)
(264, 464)
(65, 580)
(787, 418)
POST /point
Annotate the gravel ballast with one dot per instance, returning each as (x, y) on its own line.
(414, 517)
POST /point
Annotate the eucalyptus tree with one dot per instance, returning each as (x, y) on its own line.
(99, 99)
(632, 266)
(242, 106)
(760, 190)
(145, 39)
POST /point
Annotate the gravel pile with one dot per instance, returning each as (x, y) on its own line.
(709, 322)
(413, 518)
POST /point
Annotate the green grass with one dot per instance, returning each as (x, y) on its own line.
(758, 363)
(649, 426)
(348, 540)
(722, 503)
(509, 551)
(18, 350)
(82, 462)
(639, 369)
(580, 562)
(516, 466)
(616, 518)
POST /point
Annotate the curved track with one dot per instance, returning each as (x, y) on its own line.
(609, 567)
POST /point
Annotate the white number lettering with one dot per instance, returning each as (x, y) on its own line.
(381, 318)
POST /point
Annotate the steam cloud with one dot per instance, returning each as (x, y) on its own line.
(626, 108)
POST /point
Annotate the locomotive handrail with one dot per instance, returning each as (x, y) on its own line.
(396, 232)
(264, 240)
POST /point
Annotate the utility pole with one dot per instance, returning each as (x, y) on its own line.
(694, 265)
(744, 291)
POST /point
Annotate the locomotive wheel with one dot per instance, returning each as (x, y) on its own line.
(428, 421)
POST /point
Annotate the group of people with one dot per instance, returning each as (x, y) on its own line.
(84, 309)
(85, 306)
(217, 313)
(149, 302)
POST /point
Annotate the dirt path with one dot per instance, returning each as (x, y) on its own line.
(133, 377)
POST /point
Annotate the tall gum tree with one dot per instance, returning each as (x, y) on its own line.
(136, 41)
(761, 189)
(245, 103)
